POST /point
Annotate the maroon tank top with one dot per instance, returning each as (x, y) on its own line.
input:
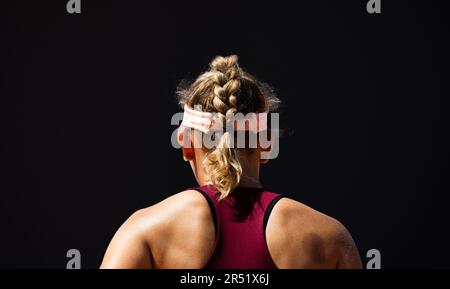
(240, 221)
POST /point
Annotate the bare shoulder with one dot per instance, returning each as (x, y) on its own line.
(299, 236)
(187, 203)
(297, 214)
(161, 230)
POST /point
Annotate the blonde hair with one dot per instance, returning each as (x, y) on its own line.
(226, 89)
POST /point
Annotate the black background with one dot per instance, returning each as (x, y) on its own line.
(86, 103)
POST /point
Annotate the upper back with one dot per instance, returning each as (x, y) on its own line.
(191, 230)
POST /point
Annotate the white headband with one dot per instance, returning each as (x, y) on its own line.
(207, 121)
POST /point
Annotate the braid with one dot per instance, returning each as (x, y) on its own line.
(226, 84)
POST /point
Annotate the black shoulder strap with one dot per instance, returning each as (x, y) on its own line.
(268, 211)
(211, 205)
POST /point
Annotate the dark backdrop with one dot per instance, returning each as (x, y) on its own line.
(86, 102)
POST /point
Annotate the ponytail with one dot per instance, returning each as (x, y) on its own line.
(222, 166)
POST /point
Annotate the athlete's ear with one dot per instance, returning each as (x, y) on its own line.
(180, 135)
(185, 141)
(265, 150)
(188, 154)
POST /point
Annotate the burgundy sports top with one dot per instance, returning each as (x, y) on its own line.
(240, 221)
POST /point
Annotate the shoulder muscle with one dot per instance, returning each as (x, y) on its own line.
(301, 237)
(155, 235)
